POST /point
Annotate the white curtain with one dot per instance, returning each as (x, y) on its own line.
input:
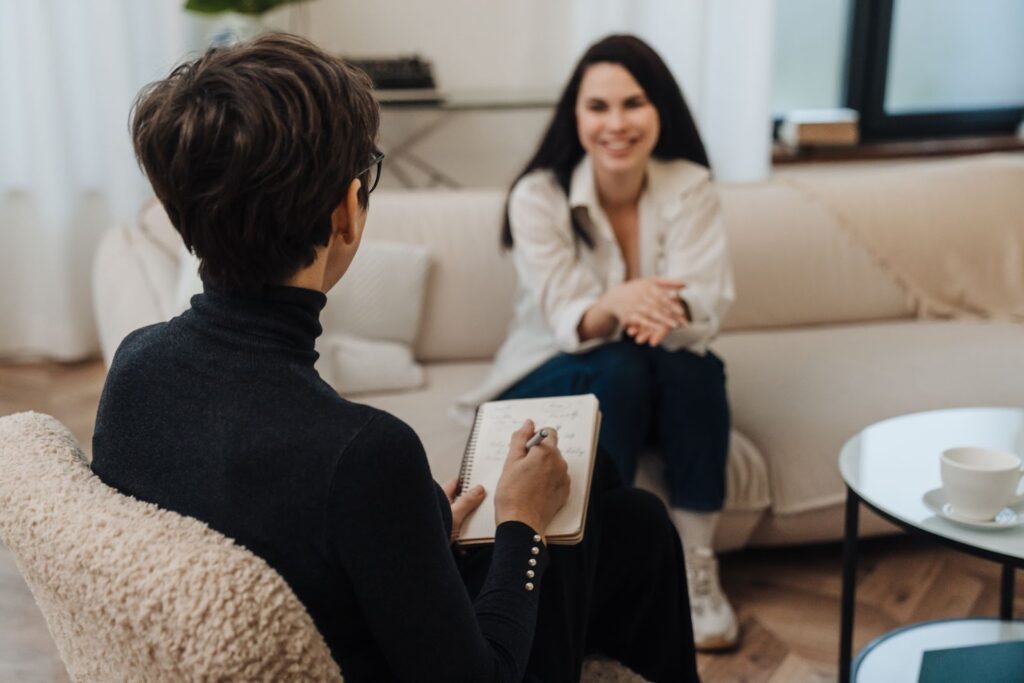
(69, 71)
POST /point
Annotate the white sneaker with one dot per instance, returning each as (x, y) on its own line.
(714, 621)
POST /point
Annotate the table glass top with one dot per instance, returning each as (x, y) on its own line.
(893, 463)
(896, 656)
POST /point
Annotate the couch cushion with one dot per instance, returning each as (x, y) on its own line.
(381, 295)
(951, 231)
(794, 264)
(800, 394)
(471, 286)
(426, 411)
(356, 365)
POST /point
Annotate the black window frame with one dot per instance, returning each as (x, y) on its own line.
(865, 75)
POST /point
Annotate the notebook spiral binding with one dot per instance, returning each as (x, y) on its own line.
(466, 468)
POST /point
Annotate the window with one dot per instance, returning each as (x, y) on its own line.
(947, 55)
(912, 68)
(810, 54)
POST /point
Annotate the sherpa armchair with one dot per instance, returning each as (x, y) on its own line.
(135, 593)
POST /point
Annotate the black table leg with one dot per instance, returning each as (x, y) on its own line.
(849, 584)
(1006, 593)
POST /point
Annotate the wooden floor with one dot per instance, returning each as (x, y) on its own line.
(788, 599)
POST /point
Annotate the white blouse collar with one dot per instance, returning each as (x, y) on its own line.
(582, 191)
(667, 182)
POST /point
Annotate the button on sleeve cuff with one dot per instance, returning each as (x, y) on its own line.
(520, 555)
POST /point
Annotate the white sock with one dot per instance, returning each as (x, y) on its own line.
(696, 529)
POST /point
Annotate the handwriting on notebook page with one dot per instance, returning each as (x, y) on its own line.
(502, 419)
(576, 418)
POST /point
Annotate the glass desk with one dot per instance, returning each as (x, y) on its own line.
(891, 464)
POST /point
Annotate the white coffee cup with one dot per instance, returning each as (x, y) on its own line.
(979, 482)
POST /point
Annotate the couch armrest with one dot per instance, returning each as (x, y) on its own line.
(133, 282)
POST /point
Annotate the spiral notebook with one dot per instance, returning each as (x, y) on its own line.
(577, 419)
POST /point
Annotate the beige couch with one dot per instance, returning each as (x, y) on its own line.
(821, 341)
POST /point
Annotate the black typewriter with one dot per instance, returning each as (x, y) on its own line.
(398, 80)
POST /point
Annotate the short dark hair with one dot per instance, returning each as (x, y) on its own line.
(560, 149)
(250, 148)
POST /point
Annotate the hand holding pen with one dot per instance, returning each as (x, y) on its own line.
(536, 439)
(534, 484)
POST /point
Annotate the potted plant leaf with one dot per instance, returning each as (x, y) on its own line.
(229, 21)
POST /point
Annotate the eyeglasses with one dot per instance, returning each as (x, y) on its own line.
(372, 172)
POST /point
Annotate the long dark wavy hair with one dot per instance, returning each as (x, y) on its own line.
(560, 149)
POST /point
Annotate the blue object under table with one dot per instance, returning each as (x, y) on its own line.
(978, 649)
(993, 663)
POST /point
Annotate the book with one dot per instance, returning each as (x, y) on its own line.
(819, 127)
(992, 663)
(577, 420)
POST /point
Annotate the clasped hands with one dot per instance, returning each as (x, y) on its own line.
(648, 308)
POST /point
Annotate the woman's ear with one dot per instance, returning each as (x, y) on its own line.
(345, 224)
(347, 221)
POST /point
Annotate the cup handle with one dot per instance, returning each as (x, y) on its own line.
(1018, 495)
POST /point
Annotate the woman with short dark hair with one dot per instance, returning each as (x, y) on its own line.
(624, 278)
(263, 156)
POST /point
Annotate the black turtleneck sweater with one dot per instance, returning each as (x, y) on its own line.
(218, 414)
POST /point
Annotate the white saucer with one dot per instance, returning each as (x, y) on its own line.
(1007, 518)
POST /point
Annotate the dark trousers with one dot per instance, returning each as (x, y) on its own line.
(621, 592)
(675, 399)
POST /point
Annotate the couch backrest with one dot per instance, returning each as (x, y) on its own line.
(793, 260)
(135, 593)
(793, 264)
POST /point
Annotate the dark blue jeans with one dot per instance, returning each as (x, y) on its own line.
(675, 400)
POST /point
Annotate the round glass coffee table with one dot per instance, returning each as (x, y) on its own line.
(888, 467)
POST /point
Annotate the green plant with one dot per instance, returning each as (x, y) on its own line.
(240, 6)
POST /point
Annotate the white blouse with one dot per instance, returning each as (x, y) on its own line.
(681, 236)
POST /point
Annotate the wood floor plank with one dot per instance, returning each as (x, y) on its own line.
(955, 592)
(760, 654)
(797, 669)
(900, 584)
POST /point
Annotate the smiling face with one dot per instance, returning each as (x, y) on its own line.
(616, 123)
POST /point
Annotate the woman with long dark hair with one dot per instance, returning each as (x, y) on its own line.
(618, 242)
